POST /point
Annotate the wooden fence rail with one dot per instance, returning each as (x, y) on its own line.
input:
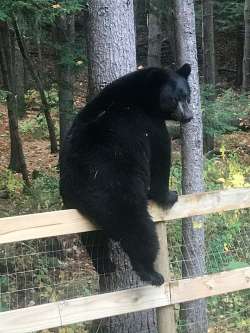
(30, 319)
(65, 222)
(80, 309)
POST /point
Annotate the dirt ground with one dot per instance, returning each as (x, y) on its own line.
(37, 152)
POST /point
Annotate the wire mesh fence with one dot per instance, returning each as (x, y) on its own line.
(226, 314)
(48, 270)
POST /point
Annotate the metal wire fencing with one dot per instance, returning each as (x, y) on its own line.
(48, 270)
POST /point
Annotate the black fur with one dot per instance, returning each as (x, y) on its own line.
(117, 155)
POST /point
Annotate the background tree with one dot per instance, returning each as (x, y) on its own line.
(39, 84)
(192, 313)
(209, 72)
(111, 51)
(65, 37)
(246, 61)
(154, 34)
(141, 26)
(229, 23)
(208, 42)
(7, 51)
(19, 81)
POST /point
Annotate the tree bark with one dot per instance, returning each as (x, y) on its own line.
(209, 71)
(39, 85)
(239, 36)
(208, 42)
(38, 45)
(111, 41)
(154, 34)
(65, 36)
(7, 47)
(246, 59)
(171, 35)
(19, 78)
(192, 313)
(111, 49)
(141, 31)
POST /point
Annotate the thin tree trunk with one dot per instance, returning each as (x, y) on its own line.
(141, 31)
(192, 313)
(39, 85)
(208, 58)
(7, 45)
(23, 65)
(39, 48)
(239, 36)
(17, 160)
(19, 78)
(111, 49)
(171, 35)
(246, 59)
(154, 34)
(208, 42)
(65, 35)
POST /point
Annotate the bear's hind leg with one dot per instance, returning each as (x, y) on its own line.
(96, 244)
(141, 244)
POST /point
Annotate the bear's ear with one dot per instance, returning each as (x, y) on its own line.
(184, 71)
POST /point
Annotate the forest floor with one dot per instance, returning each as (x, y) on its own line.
(36, 151)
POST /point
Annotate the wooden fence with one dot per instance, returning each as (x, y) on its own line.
(35, 226)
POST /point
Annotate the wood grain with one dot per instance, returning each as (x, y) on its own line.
(34, 226)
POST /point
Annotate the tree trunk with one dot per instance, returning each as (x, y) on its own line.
(110, 55)
(38, 45)
(239, 36)
(7, 47)
(192, 313)
(24, 29)
(141, 31)
(65, 35)
(209, 72)
(154, 34)
(208, 42)
(19, 78)
(111, 49)
(246, 59)
(39, 85)
(170, 30)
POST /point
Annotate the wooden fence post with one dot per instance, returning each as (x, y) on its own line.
(165, 315)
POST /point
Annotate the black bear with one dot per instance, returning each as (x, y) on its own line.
(116, 156)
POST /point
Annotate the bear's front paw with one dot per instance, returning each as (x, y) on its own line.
(165, 200)
(152, 277)
(171, 199)
(156, 279)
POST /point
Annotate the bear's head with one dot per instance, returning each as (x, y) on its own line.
(170, 93)
(163, 94)
(175, 95)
